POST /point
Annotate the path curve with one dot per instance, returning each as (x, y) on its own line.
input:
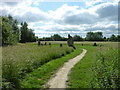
(59, 81)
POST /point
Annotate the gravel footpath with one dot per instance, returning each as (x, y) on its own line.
(60, 78)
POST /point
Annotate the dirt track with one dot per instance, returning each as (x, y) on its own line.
(59, 81)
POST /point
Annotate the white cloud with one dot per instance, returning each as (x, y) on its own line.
(24, 13)
(65, 19)
(61, 12)
(72, 15)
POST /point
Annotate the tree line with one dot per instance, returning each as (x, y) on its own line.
(91, 36)
(12, 33)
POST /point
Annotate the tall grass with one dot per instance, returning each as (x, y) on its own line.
(40, 76)
(98, 69)
(106, 69)
(24, 58)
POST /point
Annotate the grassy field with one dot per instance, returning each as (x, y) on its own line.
(40, 76)
(30, 66)
(80, 76)
(98, 69)
(21, 59)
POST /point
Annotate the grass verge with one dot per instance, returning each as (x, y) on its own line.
(40, 76)
(80, 75)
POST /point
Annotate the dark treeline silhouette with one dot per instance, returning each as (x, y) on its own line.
(91, 36)
(55, 37)
(113, 38)
(97, 36)
(12, 34)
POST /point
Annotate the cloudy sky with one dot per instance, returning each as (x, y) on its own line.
(48, 17)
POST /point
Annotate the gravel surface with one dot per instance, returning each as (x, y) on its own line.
(60, 78)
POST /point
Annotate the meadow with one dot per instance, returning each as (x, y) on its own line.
(40, 76)
(18, 60)
(98, 69)
(30, 66)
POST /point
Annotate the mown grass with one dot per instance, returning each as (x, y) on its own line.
(21, 59)
(40, 76)
(81, 74)
(98, 69)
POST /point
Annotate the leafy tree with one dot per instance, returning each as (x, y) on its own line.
(113, 38)
(8, 38)
(46, 39)
(56, 37)
(77, 38)
(31, 36)
(90, 36)
(27, 35)
(118, 38)
(11, 33)
(15, 28)
(6, 31)
(97, 36)
(24, 30)
(64, 39)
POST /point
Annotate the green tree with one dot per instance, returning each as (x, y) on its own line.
(56, 37)
(27, 35)
(6, 32)
(15, 28)
(46, 39)
(77, 38)
(118, 38)
(113, 38)
(31, 36)
(97, 36)
(8, 38)
(90, 36)
(24, 32)
(64, 39)
(11, 33)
